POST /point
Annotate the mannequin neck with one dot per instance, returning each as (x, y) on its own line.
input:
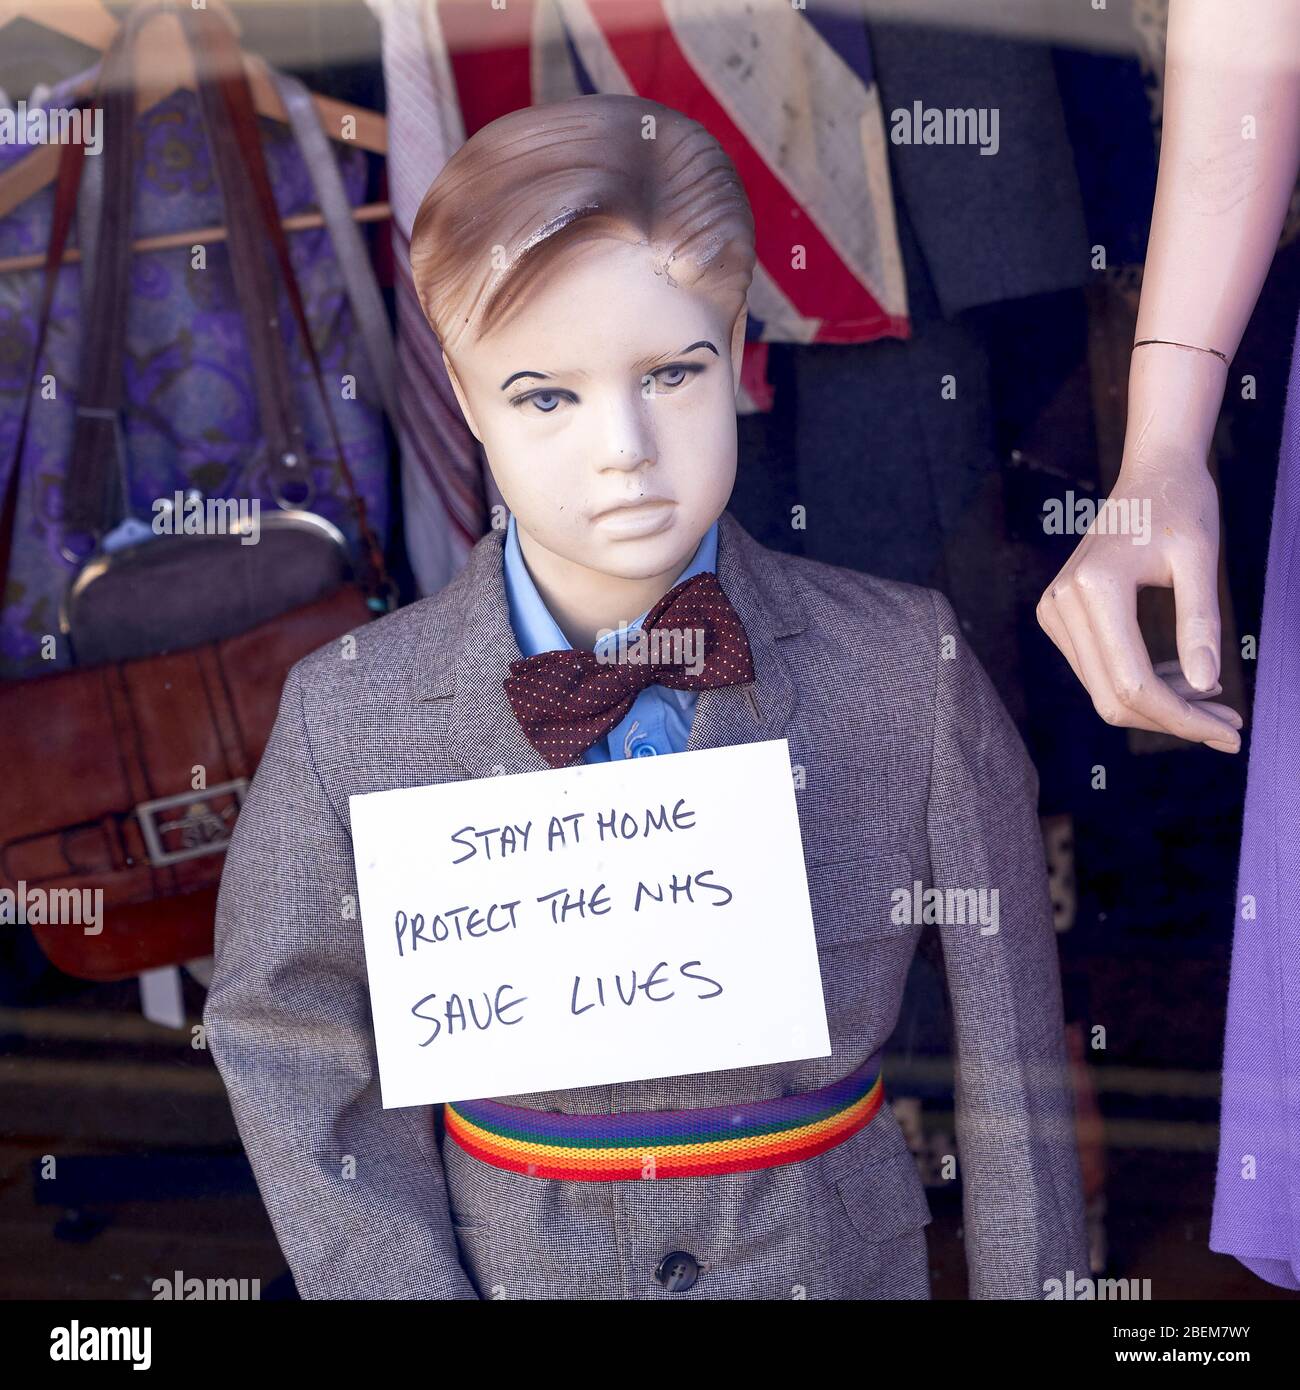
(585, 602)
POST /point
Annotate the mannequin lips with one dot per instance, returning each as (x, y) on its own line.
(643, 518)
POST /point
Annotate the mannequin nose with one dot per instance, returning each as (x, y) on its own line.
(629, 440)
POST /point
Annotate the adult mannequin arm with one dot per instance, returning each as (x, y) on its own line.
(1228, 162)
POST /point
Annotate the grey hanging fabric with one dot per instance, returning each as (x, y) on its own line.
(354, 261)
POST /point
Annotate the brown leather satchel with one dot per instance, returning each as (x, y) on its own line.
(100, 773)
(124, 779)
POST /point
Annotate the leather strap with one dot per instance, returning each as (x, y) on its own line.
(288, 469)
(92, 499)
(90, 204)
(94, 495)
(204, 28)
(222, 709)
(71, 161)
(127, 737)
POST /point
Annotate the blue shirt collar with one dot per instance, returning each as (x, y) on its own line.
(535, 629)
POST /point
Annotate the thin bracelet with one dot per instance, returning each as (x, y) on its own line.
(1191, 347)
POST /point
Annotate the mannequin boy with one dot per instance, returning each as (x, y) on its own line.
(585, 267)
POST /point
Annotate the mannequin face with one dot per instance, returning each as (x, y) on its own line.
(630, 398)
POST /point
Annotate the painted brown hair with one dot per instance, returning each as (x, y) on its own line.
(544, 179)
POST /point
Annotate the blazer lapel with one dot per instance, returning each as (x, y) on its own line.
(750, 577)
(484, 735)
(486, 738)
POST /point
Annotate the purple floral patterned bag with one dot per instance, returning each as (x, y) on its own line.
(191, 420)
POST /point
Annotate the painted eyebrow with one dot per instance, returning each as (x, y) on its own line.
(545, 376)
(704, 342)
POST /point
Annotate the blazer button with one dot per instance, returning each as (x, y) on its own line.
(678, 1271)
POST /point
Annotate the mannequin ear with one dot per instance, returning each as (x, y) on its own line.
(738, 345)
(460, 397)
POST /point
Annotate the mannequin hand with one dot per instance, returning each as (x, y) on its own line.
(1090, 608)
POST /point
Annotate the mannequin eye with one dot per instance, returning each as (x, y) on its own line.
(672, 377)
(547, 402)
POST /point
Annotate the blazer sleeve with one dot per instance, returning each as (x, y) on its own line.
(1017, 1154)
(356, 1193)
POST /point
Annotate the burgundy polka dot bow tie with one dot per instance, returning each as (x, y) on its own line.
(692, 639)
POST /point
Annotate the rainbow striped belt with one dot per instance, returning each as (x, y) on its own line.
(667, 1143)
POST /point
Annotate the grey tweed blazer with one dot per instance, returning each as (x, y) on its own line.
(911, 771)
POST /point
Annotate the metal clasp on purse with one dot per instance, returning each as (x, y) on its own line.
(199, 820)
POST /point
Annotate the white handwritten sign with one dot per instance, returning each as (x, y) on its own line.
(608, 922)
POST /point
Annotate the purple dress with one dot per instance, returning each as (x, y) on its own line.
(1257, 1191)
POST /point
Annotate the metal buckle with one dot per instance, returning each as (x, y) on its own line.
(200, 819)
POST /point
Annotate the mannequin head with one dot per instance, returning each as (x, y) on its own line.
(585, 266)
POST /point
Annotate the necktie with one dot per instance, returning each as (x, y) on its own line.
(567, 700)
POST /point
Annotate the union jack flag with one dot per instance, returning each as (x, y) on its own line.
(788, 93)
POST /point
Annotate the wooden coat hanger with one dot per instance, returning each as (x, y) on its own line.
(162, 66)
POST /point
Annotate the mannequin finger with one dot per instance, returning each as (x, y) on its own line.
(1178, 682)
(1050, 620)
(1220, 711)
(1225, 712)
(1096, 676)
(1114, 625)
(1171, 672)
(1196, 602)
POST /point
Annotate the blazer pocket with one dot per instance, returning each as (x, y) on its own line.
(884, 1199)
(853, 895)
